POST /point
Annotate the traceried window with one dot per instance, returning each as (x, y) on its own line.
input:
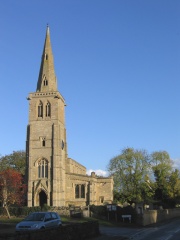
(79, 191)
(40, 109)
(43, 169)
(48, 109)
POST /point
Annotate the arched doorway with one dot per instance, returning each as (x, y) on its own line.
(42, 198)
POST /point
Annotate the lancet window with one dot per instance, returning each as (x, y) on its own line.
(43, 169)
(40, 109)
(48, 109)
(43, 142)
(45, 82)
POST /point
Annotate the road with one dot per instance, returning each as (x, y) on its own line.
(166, 231)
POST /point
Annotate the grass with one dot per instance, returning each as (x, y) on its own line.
(18, 219)
(65, 219)
(11, 220)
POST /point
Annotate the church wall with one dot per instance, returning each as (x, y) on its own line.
(104, 190)
(74, 167)
(98, 191)
(71, 182)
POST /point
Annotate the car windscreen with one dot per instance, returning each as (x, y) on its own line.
(35, 217)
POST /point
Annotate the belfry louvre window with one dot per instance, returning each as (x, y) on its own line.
(40, 110)
(45, 82)
(43, 169)
(48, 109)
(79, 191)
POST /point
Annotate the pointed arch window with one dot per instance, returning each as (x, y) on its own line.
(40, 109)
(45, 82)
(48, 109)
(43, 168)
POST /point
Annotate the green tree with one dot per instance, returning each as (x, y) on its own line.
(130, 170)
(16, 161)
(163, 171)
(174, 184)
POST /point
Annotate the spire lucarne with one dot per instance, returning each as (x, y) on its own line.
(47, 78)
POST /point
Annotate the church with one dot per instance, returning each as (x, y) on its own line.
(53, 178)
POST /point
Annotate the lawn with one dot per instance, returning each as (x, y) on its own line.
(18, 219)
(14, 220)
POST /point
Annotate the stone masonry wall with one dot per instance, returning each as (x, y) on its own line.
(155, 216)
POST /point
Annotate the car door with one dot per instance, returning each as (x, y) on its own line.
(48, 220)
(55, 220)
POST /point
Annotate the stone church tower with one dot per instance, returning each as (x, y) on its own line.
(53, 178)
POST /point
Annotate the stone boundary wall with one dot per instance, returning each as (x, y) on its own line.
(69, 212)
(74, 231)
(156, 216)
(62, 211)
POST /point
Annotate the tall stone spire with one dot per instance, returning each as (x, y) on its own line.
(47, 78)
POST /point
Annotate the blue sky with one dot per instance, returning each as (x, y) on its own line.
(118, 67)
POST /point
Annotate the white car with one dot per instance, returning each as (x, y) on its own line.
(39, 220)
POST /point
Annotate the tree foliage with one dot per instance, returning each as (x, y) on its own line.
(162, 167)
(130, 170)
(142, 177)
(12, 188)
(16, 161)
(174, 185)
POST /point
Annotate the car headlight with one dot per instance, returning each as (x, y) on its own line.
(35, 226)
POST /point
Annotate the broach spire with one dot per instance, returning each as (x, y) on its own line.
(47, 78)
